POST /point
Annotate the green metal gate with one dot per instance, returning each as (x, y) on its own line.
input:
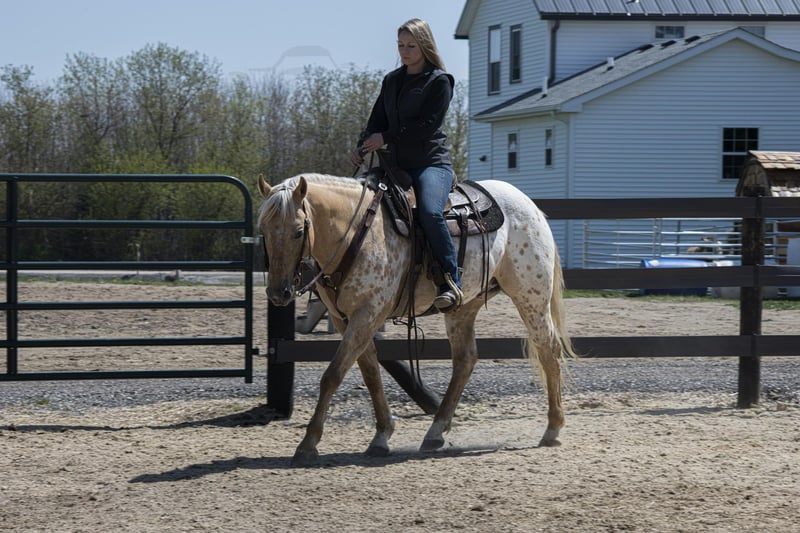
(12, 226)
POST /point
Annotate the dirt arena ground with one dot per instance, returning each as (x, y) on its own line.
(634, 458)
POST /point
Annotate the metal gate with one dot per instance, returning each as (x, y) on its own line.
(243, 262)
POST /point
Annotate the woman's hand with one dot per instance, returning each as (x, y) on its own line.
(372, 143)
(357, 156)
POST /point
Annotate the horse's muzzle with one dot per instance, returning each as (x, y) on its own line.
(282, 295)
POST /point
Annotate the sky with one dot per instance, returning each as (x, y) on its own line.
(245, 36)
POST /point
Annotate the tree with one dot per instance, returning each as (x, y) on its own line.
(27, 123)
(172, 90)
(164, 110)
(329, 110)
(94, 98)
(456, 126)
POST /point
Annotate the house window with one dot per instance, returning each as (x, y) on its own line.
(515, 55)
(548, 147)
(494, 60)
(736, 142)
(512, 150)
(755, 30)
(669, 32)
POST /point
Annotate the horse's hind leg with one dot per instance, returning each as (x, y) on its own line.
(461, 333)
(384, 425)
(550, 364)
(544, 350)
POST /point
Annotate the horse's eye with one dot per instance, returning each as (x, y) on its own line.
(298, 234)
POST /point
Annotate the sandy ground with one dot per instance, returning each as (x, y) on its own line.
(636, 461)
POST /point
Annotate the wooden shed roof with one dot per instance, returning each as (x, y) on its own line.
(777, 172)
(779, 160)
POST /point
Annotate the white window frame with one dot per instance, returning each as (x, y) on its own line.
(515, 54)
(549, 147)
(733, 157)
(494, 66)
(512, 147)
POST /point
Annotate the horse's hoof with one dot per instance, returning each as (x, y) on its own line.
(305, 458)
(377, 451)
(549, 443)
(430, 445)
(550, 439)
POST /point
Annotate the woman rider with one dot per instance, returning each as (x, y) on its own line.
(408, 117)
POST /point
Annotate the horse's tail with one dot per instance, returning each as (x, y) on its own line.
(559, 322)
(557, 310)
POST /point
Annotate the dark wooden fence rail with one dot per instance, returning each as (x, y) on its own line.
(751, 276)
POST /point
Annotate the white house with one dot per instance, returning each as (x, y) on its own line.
(628, 98)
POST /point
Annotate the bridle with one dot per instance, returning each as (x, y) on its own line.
(332, 281)
(298, 269)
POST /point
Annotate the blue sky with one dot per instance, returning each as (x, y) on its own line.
(247, 36)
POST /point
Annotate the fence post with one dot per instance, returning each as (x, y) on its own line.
(280, 376)
(750, 303)
(12, 297)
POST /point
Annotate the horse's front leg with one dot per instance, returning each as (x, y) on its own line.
(461, 333)
(384, 425)
(355, 340)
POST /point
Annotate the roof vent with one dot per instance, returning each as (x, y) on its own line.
(668, 43)
(544, 86)
(645, 47)
(609, 63)
(692, 39)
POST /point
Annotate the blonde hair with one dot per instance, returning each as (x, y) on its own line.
(423, 35)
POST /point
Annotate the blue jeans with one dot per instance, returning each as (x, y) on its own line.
(431, 186)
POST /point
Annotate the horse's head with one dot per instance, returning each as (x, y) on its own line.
(283, 220)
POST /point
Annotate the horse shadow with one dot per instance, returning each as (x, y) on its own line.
(333, 460)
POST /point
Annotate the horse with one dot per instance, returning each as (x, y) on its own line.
(312, 216)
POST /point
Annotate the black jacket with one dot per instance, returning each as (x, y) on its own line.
(410, 112)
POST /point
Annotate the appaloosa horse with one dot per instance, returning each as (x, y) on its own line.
(315, 216)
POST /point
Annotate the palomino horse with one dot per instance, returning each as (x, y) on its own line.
(312, 215)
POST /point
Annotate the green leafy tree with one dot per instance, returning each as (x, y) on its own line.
(27, 123)
(96, 110)
(456, 126)
(172, 90)
(163, 110)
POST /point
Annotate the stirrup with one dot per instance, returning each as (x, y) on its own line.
(450, 299)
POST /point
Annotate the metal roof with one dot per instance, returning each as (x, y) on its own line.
(745, 10)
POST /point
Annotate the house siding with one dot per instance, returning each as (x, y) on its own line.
(534, 67)
(582, 44)
(531, 175)
(661, 136)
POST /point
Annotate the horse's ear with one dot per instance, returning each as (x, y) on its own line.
(263, 186)
(300, 191)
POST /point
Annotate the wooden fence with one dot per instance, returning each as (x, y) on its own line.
(749, 346)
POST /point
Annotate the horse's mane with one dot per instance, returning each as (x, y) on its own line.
(279, 202)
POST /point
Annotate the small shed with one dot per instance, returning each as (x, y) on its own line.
(778, 173)
(775, 174)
